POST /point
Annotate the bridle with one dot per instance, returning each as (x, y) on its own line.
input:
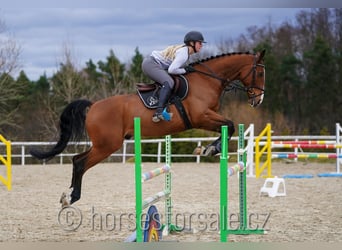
(229, 85)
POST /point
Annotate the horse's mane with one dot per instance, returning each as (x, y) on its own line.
(222, 55)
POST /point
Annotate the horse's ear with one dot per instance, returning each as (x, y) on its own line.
(261, 55)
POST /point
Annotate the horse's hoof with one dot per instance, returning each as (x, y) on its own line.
(198, 151)
(205, 151)
(64, 200)
(210, 151)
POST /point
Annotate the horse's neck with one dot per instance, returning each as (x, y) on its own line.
(229, 67)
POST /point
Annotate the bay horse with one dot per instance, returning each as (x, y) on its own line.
(109, 121)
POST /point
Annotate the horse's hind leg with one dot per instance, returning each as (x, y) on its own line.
(78, 162)
(81, 163)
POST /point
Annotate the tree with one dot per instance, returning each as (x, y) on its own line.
(66, 84)
(291, 87)
(135, 73)
(95, 80)
(322, 92)
(10, 90)
(42, 85)
(9, 99)
(91, 71)
(273, 99)
(113, 74)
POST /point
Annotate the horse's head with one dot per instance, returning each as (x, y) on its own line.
(243, 67)
(253, 78)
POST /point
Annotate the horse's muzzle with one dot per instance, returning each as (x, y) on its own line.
(256, 100)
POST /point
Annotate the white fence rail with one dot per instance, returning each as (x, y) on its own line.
(21, 149)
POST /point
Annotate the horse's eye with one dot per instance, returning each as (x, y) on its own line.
(260, 74)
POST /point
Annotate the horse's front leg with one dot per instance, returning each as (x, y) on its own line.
(214, 122)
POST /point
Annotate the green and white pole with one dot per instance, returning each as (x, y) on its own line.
(138, 185)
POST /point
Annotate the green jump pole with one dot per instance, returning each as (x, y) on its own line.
(224, 184)
(243, 179)
(169, 227)
(138, 185)
(168, 185)
(242, 157)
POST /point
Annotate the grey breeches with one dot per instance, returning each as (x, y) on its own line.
(155, 71)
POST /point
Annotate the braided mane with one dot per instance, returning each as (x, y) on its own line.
(222, 55)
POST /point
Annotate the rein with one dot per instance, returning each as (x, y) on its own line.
(212, 74)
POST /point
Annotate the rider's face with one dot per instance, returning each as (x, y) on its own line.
(198, 46)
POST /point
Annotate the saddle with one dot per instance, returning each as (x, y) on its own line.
(149, 93)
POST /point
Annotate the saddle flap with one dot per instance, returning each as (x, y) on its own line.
(149, 93)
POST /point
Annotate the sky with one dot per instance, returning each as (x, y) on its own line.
(90, 33)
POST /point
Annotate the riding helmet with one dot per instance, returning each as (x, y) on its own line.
(193, 36)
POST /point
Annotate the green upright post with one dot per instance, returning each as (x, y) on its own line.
(242, 156)
(243, 179)
(138, 185)
(224, 185)
(168, 185)
(169, 227)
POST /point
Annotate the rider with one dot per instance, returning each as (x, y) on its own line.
(171, 60)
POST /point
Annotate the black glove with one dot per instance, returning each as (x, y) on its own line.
(189, 69)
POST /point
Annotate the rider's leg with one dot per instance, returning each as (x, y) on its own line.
(156, 72)
(164, 95)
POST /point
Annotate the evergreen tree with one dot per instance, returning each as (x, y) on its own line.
(42, 85)
(24, 84)
(113, 71)
(273, 94)
(320, 105)
(291, 89)
(135, 73)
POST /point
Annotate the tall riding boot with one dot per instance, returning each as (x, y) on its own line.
(163, 98)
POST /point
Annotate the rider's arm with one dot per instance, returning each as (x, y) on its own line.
(177, 65)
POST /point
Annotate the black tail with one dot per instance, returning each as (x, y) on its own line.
(72, 127)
